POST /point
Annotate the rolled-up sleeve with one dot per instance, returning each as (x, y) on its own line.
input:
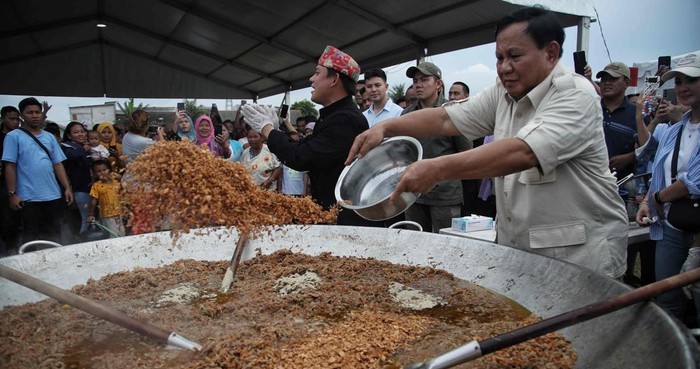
(476, 117)
(562, 130)
(691, 178)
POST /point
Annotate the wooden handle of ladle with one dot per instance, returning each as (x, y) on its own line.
(86, 305)
(588, 312)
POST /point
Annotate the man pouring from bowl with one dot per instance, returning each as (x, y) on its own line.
(555, 195)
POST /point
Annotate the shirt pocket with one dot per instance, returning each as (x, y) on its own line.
(533, 176)
(558, 235)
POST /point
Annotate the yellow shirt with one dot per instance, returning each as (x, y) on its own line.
(107, 195)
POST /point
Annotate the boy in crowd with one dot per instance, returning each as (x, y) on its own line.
(105, 193)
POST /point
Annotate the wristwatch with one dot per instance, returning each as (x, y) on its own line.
(11, 193)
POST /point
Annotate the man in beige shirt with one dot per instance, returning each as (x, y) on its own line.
(555, 193)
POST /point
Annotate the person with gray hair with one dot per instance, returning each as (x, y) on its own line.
(555, 194)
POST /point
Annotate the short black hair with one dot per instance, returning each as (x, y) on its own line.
(542, 25)
(104, 162)
(29, 102)
(301, 118)
(400, 100)
(409, 87)
(360, 81)
(53, 128)
(347, 82)
(375, 73)
(464, 86)
(8, 109)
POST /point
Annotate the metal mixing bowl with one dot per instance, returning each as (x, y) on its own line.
(366, 185)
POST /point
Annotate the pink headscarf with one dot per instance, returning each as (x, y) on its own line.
(204, 140)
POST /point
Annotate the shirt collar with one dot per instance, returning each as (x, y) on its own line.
(340, 104)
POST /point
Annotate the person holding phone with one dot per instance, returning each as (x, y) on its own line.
(218, 145)
(136, 140)
(619, 118)
(676, 176)
(108, 139)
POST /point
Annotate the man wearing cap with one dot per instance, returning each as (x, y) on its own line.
(619, 122)
(323, 153)
(554, 192)
(382, 107)
(435, 209)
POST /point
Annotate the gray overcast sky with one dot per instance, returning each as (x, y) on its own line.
(635, 31)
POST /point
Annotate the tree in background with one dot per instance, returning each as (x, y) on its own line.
(306, 108)
(129, 107)
(194, 110)
(397, 92)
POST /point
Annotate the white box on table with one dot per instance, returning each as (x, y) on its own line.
(472, 223)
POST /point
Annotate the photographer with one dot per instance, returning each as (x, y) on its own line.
(135, 141)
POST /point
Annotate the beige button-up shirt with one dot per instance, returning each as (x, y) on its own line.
(567, 208)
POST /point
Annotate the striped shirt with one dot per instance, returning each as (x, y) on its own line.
(690, 177)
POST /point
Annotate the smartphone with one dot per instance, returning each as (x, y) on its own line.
(284, 111)
(216, 120)
(664, 61)
(180, 106)
(579, 61)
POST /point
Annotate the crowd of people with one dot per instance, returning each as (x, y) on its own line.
(557, 156)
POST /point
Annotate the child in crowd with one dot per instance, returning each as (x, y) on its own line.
(96, 151)
(105, 192)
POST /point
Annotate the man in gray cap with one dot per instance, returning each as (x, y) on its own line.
(619, 122)
(435, 209)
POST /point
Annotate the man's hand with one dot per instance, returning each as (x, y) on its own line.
(692, 262)
(587, 72)
(69, 197)
(620, 161)
(259, 116)
(46, 107)
(364, 142)
(419, 177)
(15, 202)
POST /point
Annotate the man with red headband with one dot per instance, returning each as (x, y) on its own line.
(323, 153)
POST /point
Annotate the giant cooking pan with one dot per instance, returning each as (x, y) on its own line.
(641, 336)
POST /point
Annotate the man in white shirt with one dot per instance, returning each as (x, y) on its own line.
(382, 107)
(555, 194)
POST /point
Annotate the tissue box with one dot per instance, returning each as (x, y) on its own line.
(472, 223)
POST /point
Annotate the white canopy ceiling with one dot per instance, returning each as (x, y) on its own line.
(226, 49)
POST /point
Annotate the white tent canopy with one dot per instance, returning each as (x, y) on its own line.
(227, 49)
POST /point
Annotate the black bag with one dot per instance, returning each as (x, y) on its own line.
(684, 214)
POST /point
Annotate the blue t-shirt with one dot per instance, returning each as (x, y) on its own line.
(36, 180)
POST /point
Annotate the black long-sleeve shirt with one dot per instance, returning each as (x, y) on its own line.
(323, 153)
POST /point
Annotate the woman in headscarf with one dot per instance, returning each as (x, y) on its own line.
(261, 163)
(77, 165)
(219, 145)
(108, 139)
(185, 127)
